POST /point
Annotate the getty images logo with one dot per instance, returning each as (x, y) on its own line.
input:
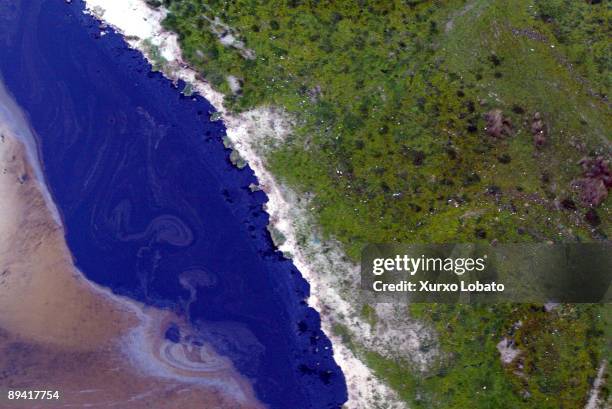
(412, 265)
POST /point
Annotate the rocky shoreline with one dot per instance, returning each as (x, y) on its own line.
(332, 277)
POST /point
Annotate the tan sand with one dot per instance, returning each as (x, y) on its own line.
(58, 331)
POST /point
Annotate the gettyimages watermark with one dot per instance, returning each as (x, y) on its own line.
(466, 273)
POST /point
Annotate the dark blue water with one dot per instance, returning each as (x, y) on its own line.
(148, 195)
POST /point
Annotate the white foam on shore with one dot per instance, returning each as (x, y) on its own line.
(13, 119)
(332, 278)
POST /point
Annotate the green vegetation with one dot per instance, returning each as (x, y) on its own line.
(559, 348)
(583, 32)
(390, 101)
(559, 351)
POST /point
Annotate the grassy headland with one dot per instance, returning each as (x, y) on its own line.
(396, 105)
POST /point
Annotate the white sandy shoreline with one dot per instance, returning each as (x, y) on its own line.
(321, 265)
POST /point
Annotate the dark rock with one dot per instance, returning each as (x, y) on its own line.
(592, 191)
(592, 217)
(495, 60)
(597, 168)
(504, 158)
(480, 233)
(472, 128)
(173, 334)
(493, 190)
(418, 158)
(596, 180)
(471, 179)
(568, 204)
(470, 106)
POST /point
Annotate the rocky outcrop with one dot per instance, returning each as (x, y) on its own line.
(595, 182)
(539, 131)
(498, 125)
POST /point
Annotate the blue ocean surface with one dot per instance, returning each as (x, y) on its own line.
(153, 207)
